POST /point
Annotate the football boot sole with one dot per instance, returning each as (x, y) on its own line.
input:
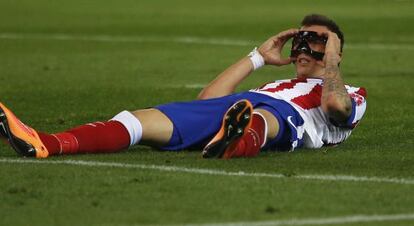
(236, 121)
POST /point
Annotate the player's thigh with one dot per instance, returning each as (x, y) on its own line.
(157, 128)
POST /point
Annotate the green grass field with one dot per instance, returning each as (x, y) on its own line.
(66, 63)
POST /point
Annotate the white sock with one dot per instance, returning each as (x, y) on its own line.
(132, 124)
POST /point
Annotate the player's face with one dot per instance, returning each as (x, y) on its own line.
(306, 66)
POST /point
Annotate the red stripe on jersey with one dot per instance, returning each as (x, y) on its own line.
(310, 100)
(362, 91)
(285, 85)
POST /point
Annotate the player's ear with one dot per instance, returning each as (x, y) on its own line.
(340, 55)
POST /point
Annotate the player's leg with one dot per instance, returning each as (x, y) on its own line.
(264, 127)
(124, 130)
(148, 126)
(236, 122)
(243, 132)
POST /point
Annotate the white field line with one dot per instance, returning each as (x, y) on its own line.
(212, 171)
(318, 221)
(182, 39)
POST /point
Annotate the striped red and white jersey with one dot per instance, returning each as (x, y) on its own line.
(305, 96)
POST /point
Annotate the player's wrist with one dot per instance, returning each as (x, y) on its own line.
(256, 58)
(332, 72)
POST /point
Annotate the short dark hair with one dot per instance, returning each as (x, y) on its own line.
(317, 19)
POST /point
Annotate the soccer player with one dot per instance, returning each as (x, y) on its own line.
(312, 110)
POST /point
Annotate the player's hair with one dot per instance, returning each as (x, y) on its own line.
(317, 19)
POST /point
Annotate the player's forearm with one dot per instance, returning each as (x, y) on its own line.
(228, 80)
(335, 99)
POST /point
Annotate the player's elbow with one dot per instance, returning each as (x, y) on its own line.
(209, 95)
(213, 92)
(337, 110)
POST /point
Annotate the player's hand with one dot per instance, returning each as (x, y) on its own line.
(332, 49)
(271, 50)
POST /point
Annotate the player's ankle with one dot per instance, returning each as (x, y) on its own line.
(60, 143)
(68, 143)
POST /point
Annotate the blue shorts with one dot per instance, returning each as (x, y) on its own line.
(196, 122)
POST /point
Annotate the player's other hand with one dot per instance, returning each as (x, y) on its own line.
(332, 49)
(271, 50)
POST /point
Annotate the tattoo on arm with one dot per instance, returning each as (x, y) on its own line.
(335, 87)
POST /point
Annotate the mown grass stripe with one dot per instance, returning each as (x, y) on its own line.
(213, 171)
(181, 39)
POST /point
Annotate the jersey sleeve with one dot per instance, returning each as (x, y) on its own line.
(359, 106)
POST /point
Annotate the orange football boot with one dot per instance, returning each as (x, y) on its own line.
(23, 139)
(236, 122)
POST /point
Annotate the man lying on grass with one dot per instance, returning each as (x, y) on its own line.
(314, 109)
